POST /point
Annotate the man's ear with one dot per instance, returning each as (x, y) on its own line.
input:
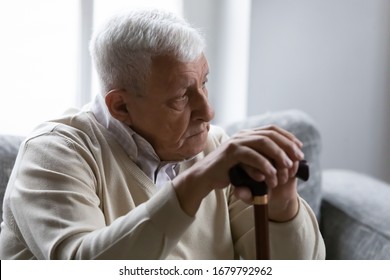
(116, 101)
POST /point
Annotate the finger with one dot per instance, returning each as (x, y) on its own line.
(284, 132)
(256, 164)
(271, 149)
(283, 175)
(294, 170)
(287, 134)
(244, 194)
(254, 173)
(293, 151)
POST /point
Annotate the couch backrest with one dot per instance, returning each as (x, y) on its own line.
(9, 147)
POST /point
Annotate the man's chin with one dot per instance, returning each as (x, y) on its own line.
(189, 148)
(193, 151)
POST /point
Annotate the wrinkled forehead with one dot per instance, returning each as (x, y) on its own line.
(170, 64)
(169, 73)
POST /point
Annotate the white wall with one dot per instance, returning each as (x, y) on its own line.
(331, 59)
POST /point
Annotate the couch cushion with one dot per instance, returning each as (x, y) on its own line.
(355, 216)
(9, 146)
(305, 129)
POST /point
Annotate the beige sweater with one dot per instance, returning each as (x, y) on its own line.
(75, 194)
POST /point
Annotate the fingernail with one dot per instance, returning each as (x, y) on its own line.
(300, 154)
(288, 162)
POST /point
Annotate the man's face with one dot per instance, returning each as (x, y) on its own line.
(174, 114)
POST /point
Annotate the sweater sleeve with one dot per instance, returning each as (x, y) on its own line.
(61, 218)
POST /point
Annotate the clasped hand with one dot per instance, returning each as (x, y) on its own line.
(269, 154)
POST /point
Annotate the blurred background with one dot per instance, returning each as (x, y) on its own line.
(328, 58)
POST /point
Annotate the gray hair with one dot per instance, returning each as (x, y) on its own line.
(123, 48)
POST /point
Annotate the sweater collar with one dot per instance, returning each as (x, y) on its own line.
(137, 148)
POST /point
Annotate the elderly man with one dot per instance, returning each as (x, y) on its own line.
(141, 173)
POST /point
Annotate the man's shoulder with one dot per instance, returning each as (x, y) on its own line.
(73, 124)
(216, 137)
(218, 132)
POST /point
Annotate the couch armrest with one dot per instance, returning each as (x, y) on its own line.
(305, 129)
(355, 216)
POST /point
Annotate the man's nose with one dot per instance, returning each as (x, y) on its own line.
(201, 108)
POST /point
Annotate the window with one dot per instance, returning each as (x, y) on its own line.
(38, 61)
(104, 8)
(40, 57)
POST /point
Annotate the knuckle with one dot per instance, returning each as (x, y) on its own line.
(271, 127)
(232, 147)
(263, 140)
(280, 154)
(272, 134)
(291, 148)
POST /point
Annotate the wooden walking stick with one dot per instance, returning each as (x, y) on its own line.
(239, 178)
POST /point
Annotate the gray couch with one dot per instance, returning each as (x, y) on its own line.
(353, 209)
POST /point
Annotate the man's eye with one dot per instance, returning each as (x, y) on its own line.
(184, 97)
(204, 83)
(179, 103)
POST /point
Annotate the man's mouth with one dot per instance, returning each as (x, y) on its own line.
(200, 131)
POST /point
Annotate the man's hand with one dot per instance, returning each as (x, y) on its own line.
(268, 154)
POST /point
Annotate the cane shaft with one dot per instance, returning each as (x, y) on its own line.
(260, 207)
(239, 178)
